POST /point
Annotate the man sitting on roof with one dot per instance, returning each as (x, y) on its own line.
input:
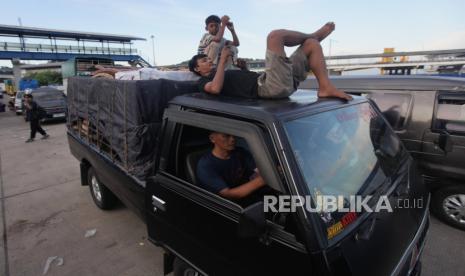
(282, 74)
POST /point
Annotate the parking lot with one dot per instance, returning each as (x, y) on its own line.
(46, 214)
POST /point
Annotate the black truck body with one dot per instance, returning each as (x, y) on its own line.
(204, 233)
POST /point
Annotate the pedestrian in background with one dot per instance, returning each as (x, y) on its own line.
(33, 115)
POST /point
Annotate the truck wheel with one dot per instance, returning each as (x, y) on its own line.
(103, 198)
(180, 268)
(448, 204)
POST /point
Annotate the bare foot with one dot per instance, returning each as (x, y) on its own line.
(332, 91)
(324, 31)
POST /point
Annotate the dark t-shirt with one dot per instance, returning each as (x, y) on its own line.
(33, 113)
(237, 83)
(215, 174)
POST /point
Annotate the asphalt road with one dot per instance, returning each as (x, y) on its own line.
(45, 214)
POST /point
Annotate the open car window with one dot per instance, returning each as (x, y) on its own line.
(450, 113)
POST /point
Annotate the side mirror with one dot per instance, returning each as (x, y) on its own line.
(444, 142)
(252, 222)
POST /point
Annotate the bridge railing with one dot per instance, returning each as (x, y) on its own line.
(373, 61)
(28, 47)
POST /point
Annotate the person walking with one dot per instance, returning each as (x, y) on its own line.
(33, 115)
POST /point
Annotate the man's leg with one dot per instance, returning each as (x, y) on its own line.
(278, 81)
(212, 51)
(312, 49)
(277, 39)
(41, 130)
(33, 124)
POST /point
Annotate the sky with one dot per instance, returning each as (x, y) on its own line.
(177, 25)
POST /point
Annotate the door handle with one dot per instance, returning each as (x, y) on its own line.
(158, 203)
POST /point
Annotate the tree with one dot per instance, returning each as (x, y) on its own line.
(46, 77)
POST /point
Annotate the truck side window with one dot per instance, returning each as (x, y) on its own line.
(450, 113)
(194, 144)
(395, 107)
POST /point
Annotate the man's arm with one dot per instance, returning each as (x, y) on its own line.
(235, 41)
(216, 85)
(243, 190)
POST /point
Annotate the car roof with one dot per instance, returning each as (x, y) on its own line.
(45, 89)
(379, 82)
(301, 101)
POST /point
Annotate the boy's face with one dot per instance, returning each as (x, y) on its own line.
(212, 28)
(204, 66)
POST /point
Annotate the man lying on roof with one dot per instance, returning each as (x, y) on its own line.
(282, 75)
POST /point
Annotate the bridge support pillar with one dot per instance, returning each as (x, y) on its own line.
(16, 71)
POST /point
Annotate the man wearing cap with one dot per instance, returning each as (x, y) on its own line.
(33, 116)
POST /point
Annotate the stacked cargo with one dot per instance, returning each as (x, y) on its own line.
(121, 119)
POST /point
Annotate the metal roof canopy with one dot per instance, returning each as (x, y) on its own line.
(12, 30)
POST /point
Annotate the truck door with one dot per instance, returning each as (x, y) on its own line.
(449, 122)
(201, 227)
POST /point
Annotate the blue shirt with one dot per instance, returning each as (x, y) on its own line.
(215, 174)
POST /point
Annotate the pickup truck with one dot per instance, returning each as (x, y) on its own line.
(140, 141)
(428, 115)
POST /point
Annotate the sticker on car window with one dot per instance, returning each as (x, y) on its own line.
(337, 228)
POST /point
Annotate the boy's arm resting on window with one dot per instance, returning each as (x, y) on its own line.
(243, 190)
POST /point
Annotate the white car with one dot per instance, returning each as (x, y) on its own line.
(19, 106)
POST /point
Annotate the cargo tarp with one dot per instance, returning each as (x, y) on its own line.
(126, 114)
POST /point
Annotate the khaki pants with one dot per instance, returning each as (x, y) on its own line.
(282, 75)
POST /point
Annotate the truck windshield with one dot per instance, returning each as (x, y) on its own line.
(344, 152)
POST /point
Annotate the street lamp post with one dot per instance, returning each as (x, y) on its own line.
(153, 48)
(329, 52)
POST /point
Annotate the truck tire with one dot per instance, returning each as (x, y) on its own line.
(181, 268)
(102, 196)
(448, 204)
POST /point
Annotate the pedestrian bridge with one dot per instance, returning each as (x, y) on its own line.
(60, 45)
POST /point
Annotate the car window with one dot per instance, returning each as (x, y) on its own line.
(450, 113)
(394, 106)
(194, 145)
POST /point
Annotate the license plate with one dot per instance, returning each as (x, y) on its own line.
(58, 115)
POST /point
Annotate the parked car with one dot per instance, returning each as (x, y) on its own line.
(428, 114)
(53, 101)
(301, 146)
(19, 102)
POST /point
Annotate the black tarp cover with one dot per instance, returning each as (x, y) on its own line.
(128, 114)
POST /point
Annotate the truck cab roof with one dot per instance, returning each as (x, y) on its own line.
(302, 101)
